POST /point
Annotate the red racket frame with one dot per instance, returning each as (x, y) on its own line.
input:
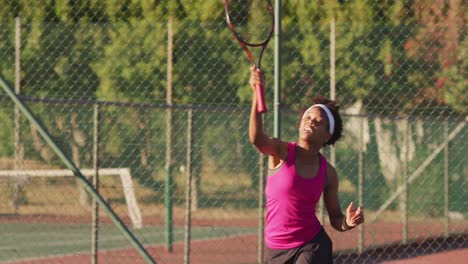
(259, 89)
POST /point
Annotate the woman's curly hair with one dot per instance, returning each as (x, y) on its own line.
(334, 108)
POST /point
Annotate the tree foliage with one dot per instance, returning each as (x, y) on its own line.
(394, 55)
(117, 50)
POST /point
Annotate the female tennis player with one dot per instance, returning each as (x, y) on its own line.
(297, 176)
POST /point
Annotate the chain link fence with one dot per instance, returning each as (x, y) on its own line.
(150, 100)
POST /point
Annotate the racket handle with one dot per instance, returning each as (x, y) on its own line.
(261, 107)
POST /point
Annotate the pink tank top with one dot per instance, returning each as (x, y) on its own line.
(291, 201)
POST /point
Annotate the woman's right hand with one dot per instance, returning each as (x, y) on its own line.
(256, 77)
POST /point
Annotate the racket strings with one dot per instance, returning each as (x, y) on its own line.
(252, 20)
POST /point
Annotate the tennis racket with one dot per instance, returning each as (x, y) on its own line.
(252, 23)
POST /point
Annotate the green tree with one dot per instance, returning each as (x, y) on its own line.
(437, 47)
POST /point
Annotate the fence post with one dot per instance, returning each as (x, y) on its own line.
(332, 154)
(95, 216)
(446, 180)
(361, 182)
(404, 201)
(18, 182)
(18, 152)
(188, 186)
(168, 192)
(277, 71)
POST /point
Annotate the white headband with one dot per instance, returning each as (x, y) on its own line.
(331, 119)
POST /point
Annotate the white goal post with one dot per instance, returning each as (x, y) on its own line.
(125, 177)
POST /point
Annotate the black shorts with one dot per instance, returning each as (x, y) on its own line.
(318, 250)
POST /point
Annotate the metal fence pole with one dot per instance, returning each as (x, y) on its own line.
(18, 155)
(168, 188)
(361, 182)
(446, 180)
(188, 186)
(18, 145)
(95, 216)
(332, 154)
(404, 198)
(332, 74)
(277, 71)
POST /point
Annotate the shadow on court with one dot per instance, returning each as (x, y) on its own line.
(415, 248)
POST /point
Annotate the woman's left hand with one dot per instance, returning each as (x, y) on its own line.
(354, 216)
